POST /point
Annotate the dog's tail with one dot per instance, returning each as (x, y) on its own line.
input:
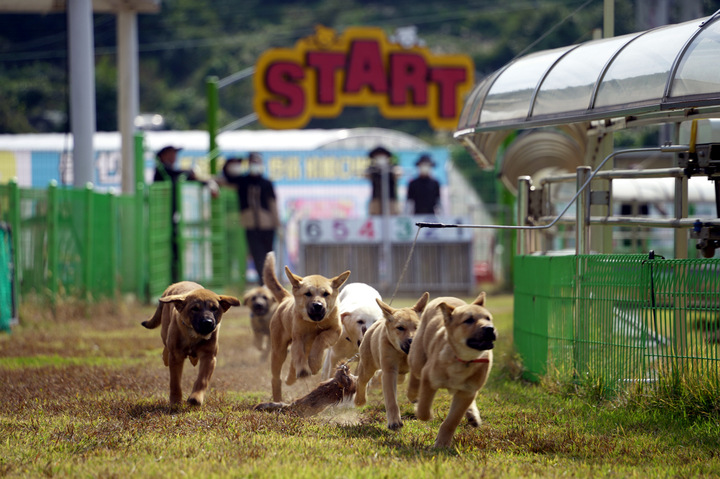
(271, 280)
(155, 321)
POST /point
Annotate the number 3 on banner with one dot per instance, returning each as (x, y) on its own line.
(404, 229)
(367, 229)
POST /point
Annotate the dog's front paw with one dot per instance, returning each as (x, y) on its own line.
(395, 426)
(423, 415)
(196, 399)
(474, 421)
(442, 443)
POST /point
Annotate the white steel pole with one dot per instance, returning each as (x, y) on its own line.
(582, 215)
(128, 96)
(523, 199)
(82, 88)
(608, 18)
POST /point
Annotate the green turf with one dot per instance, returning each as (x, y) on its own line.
(82, 400)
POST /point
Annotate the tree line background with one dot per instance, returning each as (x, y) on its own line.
(192, 39)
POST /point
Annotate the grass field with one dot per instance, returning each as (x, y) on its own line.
(88, 398)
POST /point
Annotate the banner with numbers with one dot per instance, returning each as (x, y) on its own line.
(370, 230)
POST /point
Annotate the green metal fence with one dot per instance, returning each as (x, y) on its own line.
(617, 318)
(88, 244)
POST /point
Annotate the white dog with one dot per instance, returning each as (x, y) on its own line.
(358, 311)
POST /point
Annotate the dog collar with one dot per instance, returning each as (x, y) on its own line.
(478, 360)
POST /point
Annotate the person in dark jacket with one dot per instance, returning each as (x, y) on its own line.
(258, 207)
(423, 195)
(381, 159)
(165, 171)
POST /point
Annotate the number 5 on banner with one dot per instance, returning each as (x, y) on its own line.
(368, 229)
(340, 230)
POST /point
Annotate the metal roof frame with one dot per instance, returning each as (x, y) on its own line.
(657, 110)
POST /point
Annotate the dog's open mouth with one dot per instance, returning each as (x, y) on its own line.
(259, 309)
(480, 345)
(204, 331)
(317, 316)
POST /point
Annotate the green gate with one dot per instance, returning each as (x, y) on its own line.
(88, 244)
(618, 318)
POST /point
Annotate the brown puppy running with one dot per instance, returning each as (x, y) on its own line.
(190, 316)
(452, 350)
(385, 346)
(306, 320)
(262, 305)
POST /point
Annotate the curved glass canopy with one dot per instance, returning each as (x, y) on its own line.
(673, 67)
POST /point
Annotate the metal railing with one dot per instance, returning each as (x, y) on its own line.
(532, 218)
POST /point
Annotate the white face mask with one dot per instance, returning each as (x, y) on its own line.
(381, 160)
(425, 170)
(234, 169)
(256, 169)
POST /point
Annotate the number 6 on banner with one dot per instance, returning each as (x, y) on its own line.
(368, 229)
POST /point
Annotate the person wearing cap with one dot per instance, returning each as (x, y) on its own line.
(382, 160)
(165, 165)
(165, 171)
(258, 207)
(423, 194)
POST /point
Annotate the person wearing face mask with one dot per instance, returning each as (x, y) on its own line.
(381, 160)
(423, 196)
(258, 207)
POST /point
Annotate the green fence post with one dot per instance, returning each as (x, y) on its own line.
(211, 85)
(114, 217)
(140, 235)
(15, 225)
(142, 267)
(139, 156)
(180, 231)
(217, 231)
(87, 259)
(53, 241)
(218, 241)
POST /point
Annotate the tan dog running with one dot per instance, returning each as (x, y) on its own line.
(452, 350)
(262, 305)
(385, 347)
(358, 311)
(190, 317)
(306, 320)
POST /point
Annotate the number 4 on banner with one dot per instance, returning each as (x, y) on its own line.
(368, 229)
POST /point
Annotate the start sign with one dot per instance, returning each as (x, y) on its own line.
(325, 72)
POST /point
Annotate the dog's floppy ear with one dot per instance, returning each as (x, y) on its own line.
(480, 300)
(177, 299)
(447, 311)
(422, 302)
(339, 280)
(295, 280)
(248, 296)
(227, 301)
(387, 310)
